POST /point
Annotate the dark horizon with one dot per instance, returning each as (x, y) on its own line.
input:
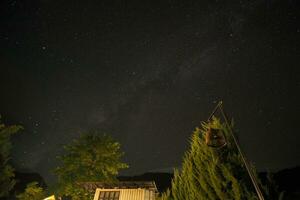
(147, 73)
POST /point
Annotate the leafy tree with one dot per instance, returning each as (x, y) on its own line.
(32, 192)
(211, 173)
(92, 157)
(7, 181)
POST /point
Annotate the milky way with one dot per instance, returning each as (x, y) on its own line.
(148, 74)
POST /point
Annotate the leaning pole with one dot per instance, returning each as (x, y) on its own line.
(219, 107)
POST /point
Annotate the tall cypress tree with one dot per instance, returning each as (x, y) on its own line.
(211, 173)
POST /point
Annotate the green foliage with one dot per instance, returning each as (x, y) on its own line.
(165, 196)
(211, 173)
(93, 157)
(32, 192)
(271, 188)
(6, 170)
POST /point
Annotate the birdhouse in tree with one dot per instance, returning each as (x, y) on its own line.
(215, 138)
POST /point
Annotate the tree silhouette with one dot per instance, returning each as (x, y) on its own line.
(210, 173)
(92, 157)
(7, 181)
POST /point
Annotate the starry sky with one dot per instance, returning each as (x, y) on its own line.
(147, 73)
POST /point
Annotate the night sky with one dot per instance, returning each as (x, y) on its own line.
(147, 73)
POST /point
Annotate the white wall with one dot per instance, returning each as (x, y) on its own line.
(129, 194)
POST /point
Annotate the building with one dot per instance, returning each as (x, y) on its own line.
(50, 198)
(125, 190)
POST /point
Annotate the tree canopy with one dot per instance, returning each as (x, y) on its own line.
(92, 157)
(32, 192)
(7, 181)
(211, 173)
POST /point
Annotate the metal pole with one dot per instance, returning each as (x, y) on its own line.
(248, 168)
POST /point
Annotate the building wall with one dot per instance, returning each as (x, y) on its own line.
(129, 194)
(50, 198)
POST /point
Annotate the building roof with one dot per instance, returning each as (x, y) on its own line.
(92, 186)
